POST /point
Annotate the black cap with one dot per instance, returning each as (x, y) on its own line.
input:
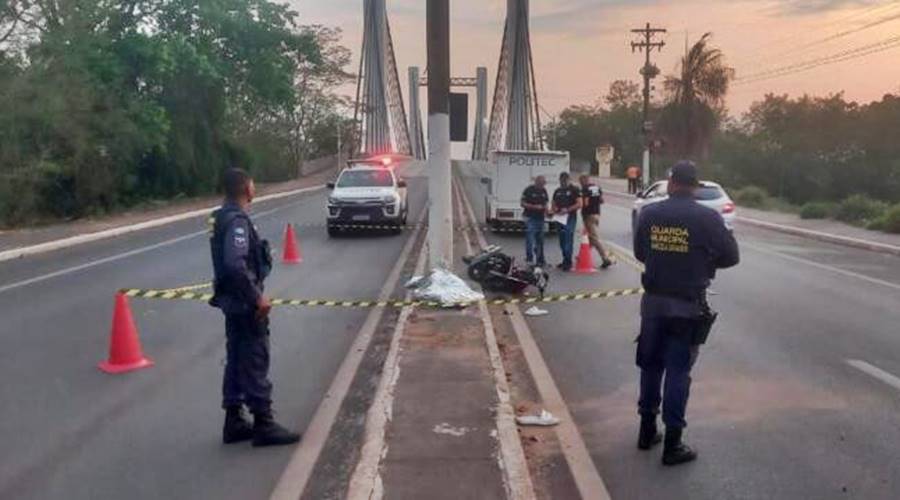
(684, 173)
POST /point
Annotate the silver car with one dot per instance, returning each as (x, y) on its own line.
(709, 194)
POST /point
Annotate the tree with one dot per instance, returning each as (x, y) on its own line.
(615, 120)
(316, 116)
(813, 148)
(109, 102)
(623, 94)
(695, 100)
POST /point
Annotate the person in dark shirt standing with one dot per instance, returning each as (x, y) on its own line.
(241, 262)
(592, 198)
(567, 201)
(681, 244)
(534, 205)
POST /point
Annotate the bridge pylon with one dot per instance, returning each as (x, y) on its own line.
(515, 122)
(380, 112)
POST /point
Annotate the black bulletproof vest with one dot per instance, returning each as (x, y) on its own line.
(227, 296)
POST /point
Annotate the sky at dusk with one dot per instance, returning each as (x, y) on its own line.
(580, 46)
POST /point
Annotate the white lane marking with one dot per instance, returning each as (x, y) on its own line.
(94, 263)
(16, 253)
(874, 371)
(587, 478)
(296, 475)
(516, 476)
(826, 267)
(125, 255)
(366, 482)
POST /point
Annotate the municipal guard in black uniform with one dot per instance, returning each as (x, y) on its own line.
(681, 244)
(241, 262)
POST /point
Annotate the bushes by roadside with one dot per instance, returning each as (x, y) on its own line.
(889, 222)
(816, 210)
(860, 210)
(752, 196)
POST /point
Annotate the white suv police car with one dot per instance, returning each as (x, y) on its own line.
(367, 193)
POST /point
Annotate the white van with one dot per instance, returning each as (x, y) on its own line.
(510, 173)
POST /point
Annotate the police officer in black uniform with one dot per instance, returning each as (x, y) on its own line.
(566, 201)
(681, 244)
(241, 262)
(534, 210)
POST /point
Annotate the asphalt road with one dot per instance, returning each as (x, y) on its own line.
(785, 402)
(71, 431)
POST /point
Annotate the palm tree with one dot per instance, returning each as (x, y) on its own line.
(695, 99)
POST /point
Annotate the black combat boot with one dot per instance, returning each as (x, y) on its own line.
(237, 428)
(266, 432)
(675, 451)
(649, 436)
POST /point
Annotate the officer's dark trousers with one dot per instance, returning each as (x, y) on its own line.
(534, 240)
(246, 379)
(567, 239)
(665, 351)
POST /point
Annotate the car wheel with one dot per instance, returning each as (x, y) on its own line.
(333, 231)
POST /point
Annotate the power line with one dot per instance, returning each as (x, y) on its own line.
(846, 55)
(841, 34)
(798, 36)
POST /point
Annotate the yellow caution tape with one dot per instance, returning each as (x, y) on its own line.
(512, 228)
(190, 288)
(361, 304)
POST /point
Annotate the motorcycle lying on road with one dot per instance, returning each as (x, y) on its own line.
(496, 271)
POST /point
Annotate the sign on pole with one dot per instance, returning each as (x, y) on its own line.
(604, 155)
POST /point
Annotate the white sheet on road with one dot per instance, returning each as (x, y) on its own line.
(443, 287)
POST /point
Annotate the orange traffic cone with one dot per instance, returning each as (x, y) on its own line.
(585, 261)
(291, 254)
(124, 346)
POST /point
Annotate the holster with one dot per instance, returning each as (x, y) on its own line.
(705, 323)
(264, 259)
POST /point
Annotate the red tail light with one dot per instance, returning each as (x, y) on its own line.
(728, 208)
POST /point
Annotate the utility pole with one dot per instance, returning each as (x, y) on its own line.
(440, 214)
(649, 72)
(340, 144)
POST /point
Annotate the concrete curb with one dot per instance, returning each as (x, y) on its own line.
(49, 246)
(826, 237)
(873, 246)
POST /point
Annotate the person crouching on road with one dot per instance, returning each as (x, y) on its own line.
(534, 205)
(241, 262)
(567, 201)
(681, 244)
(592, 198)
